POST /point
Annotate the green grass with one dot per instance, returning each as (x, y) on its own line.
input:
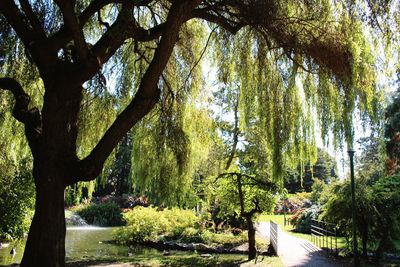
(279, 219)
(178, 258)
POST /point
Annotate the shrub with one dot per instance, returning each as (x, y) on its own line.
(294, 202)
(148, 224)
(386, 199)
(296, 216)
(303, 222)
(191, 234)
(225, 239)
(179, 220)
(17, 201)
(108, 214)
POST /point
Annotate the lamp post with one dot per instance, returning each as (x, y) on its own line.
(285, 200)
(353, 209)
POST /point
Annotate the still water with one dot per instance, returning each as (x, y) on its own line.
(82, 242)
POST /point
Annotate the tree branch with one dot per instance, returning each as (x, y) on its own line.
(63, 36)
(36, 25)
(112, 40)
(220, 21)
(75, 29)
(145, 99)
(14, 16)
(30, 117)
(235, 133)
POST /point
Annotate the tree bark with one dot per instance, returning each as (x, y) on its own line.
(46, 240)
(52, 133)
(251, 234)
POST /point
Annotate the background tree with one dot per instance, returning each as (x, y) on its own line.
(374, 231)
(71, 48)
(302, 178)
(392, 134)
(118, 181)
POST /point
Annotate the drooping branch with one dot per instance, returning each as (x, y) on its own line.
(145, 99)
(30, 117)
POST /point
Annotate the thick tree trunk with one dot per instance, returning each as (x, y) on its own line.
(45, 246)
(251, 238)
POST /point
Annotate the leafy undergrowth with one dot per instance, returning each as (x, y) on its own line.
(149, 224)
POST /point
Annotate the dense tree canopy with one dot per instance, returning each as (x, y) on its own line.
(83, 73)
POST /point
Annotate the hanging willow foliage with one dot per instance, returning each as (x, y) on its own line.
(304, 69)
(299, 64)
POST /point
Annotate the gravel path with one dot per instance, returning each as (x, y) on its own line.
(296, 251)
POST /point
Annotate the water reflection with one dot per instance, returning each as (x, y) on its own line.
(91, 242)
(81, 242)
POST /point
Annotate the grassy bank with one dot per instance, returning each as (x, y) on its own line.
(178, 258)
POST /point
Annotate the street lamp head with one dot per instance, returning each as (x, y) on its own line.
(351, 153)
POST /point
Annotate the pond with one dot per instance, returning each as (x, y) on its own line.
(81, 242)
(86, 244)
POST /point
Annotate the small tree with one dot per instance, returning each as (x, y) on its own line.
(247, 196)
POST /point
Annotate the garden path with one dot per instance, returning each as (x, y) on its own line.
(295, 251)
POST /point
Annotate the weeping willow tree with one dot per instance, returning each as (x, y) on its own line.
(286, 94)
(72, 48)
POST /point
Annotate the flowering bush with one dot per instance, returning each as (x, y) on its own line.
(302, 219)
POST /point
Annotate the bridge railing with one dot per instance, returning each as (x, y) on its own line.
(273, 235)
(324, 235)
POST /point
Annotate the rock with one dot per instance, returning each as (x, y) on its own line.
(202, 247)
(75, 220)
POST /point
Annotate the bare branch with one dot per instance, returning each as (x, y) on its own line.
(235, 133)
(72, 24)
(36, 25)
(63, 36)
(122, 29)
(16, 19)
(101, 21)
(222, 22)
